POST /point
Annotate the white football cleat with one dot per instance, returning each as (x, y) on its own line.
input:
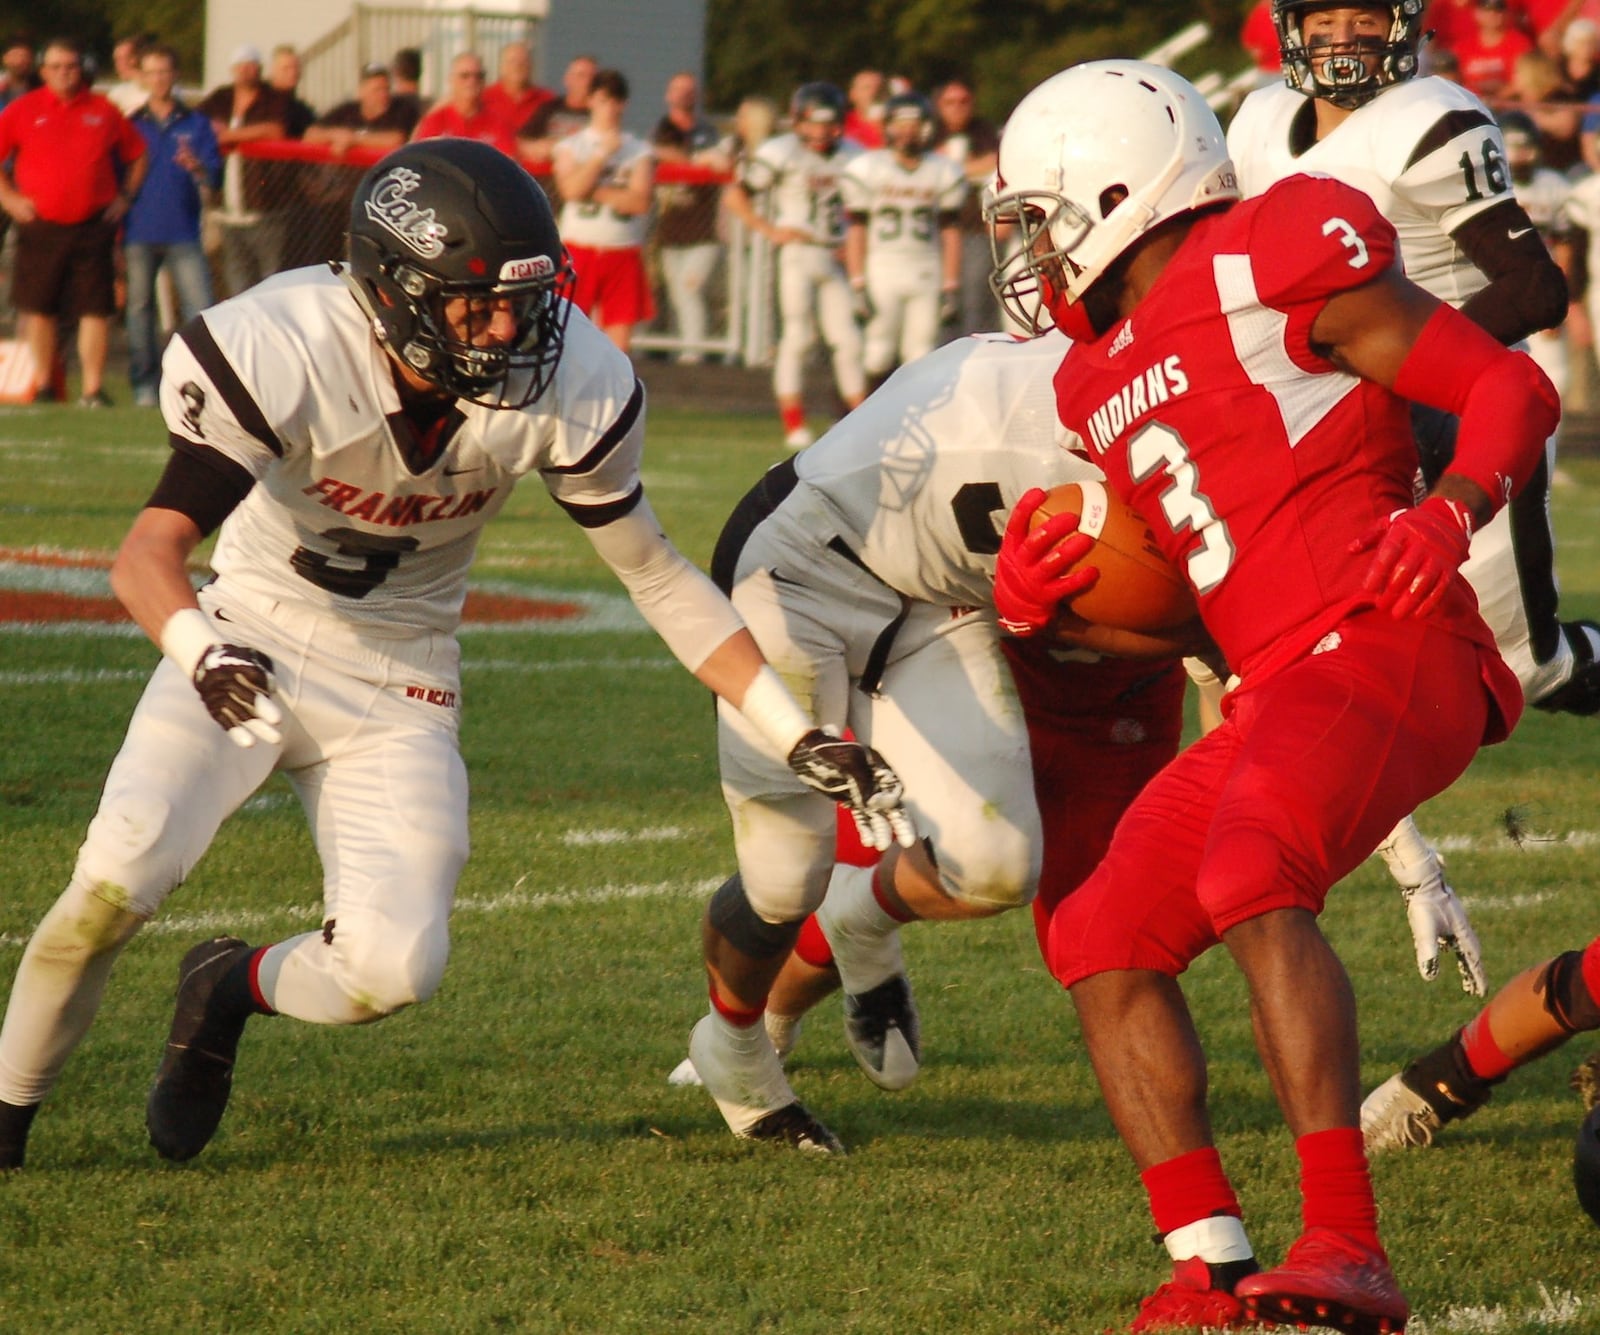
(798, 439)
(1395, 1117)
(881, 1026)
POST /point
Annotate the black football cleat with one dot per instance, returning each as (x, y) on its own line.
(793, 1126)
(195, 1077)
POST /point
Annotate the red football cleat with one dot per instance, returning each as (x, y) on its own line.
(1188, 1302)
(1329, 1279)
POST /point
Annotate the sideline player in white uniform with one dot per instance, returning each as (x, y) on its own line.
(606, 180)
(1430, 156)
(796, 175)
(1543, 193)
(352, 432)
(865, 569)
(902, 248)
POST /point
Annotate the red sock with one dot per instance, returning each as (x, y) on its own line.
(1483, 1054)
(793, 418)
(887, 905)
(741, 1019)
(1192, 1186)
(1336, 1185)
(813, 946)
(255, 981)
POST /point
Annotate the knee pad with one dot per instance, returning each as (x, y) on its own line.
(743, 928)
(386, 968)
(1002, 874)
(1567, 998)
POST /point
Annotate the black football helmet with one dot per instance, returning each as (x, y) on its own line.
(823, 102)
(447, 219)
(912, 108)
(1343, 78)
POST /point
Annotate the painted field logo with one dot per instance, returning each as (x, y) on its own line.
(391, 208)
(40, 586)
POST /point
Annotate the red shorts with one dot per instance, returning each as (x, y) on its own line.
(1098, 732)
(1313, 766)
(611, 286)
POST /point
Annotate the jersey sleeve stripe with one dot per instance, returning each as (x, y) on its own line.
(598, 516)
(198, 337)
(1446, 128)
(614, 435)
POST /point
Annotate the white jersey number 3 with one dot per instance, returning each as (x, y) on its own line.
(1159, 448)
(1348, 236)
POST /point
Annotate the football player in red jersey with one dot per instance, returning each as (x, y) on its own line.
(1239, 372)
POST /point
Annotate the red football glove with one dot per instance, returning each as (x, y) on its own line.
(1028, 578)
(1418, 552)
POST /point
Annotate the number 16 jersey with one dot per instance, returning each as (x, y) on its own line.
(1426, 152)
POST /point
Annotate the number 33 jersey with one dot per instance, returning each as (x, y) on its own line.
(350, 513)
(1426, 152)
(1255, 461)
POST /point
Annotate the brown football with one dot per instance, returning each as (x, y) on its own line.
(1138, 588)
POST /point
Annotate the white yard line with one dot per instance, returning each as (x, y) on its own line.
(516, 898)
(92, 676)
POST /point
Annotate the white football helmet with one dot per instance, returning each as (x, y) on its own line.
(1090, 161)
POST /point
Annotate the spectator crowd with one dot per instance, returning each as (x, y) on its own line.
(131, 197)
(185, 204)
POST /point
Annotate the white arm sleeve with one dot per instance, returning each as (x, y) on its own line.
(680, 602)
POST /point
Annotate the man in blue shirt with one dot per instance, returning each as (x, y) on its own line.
(163, 223)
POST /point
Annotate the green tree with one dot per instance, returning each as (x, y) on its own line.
(1004, 46)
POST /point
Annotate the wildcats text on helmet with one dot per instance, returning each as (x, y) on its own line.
(389, 206)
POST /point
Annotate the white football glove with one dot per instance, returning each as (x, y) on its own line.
(235, 684)
(1439, 920)
(860, 780)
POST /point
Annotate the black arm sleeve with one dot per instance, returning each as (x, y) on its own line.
(200, 483)
(1526, 291)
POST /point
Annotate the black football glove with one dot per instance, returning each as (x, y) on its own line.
(949, 307)
(860, 780)
(861, 304)
(235, 685)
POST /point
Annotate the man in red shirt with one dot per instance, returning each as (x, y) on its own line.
(78, 164)
(1489, 52)
(464, 113)
(1240, 372)
(513, 97)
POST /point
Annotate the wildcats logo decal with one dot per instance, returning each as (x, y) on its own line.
(391, 208)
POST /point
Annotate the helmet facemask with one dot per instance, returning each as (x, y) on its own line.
(1354, 75)
(511, 375)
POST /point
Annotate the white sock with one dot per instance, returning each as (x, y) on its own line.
(739, 1069)
(865, 940)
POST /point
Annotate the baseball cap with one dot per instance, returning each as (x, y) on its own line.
(373, 68)
(245, 54)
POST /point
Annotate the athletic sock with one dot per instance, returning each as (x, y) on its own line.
(1480, 1052)
(1336, 1185)
(15, 1120)
(1187, 1188)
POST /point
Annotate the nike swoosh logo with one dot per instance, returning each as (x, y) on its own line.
(1512, 236)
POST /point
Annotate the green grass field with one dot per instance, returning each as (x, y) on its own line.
(510, 1157)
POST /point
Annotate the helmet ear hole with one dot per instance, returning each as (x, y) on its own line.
(1110, 197)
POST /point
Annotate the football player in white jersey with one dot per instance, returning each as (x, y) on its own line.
(351, 431)
(1430, 156)
(903, 245)
(865, 569)
(795, 176)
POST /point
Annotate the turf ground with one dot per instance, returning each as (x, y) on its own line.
(510, 1157)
